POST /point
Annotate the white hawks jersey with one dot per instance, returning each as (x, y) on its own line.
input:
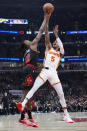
(52, 59)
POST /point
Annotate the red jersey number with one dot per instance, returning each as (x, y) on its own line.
(52, 58)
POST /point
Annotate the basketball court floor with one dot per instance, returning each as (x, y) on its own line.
(46, 121)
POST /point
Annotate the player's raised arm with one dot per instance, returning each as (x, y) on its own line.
(39, 35)
(60, 44)
(47, 38)
(41, 30)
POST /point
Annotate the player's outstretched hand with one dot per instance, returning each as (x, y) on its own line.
(47, 16)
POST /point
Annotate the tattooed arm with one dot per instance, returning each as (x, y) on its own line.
(41, 30)
(33, 45)
(47, 38)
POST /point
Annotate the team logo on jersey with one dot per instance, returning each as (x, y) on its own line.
(28, 80)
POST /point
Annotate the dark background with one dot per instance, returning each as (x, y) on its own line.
(67, 13)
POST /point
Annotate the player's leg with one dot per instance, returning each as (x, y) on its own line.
(22, 118)
(55, 82)
(37, 84)
(59, 90)
(60, 93)
(29, 108)
(40, 80)
(27, 82)
(30, 120)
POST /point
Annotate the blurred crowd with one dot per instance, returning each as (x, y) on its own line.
(50, 102)
(44, 101)
(8, 104)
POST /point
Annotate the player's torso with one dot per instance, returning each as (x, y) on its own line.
(30, 57)
(52, 59)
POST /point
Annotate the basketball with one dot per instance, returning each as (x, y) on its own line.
(48, 8)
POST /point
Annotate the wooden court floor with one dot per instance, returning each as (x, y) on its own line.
(46, 121)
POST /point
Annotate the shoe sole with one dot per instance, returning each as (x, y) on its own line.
(68, 122)
(34, 124)
(30, 124)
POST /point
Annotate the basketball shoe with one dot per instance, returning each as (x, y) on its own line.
(25, 122)
(67, 119)
(19, 106)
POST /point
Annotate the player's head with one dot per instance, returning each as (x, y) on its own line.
(55, 45)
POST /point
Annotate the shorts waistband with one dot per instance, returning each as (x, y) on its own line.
(47, 68)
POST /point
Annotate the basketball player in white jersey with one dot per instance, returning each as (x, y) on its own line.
(51, 62)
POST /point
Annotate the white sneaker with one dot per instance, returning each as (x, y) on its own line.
(68, 119)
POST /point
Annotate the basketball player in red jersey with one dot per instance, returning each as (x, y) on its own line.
(30, 65)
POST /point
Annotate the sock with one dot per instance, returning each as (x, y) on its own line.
(29, 114)
(22, 115)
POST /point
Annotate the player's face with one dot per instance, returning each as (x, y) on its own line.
(55, 45)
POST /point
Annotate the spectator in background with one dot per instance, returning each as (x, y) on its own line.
(5, 102)
(13, 108)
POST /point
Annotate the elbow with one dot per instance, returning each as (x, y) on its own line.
(62, 51)
(27, 42)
